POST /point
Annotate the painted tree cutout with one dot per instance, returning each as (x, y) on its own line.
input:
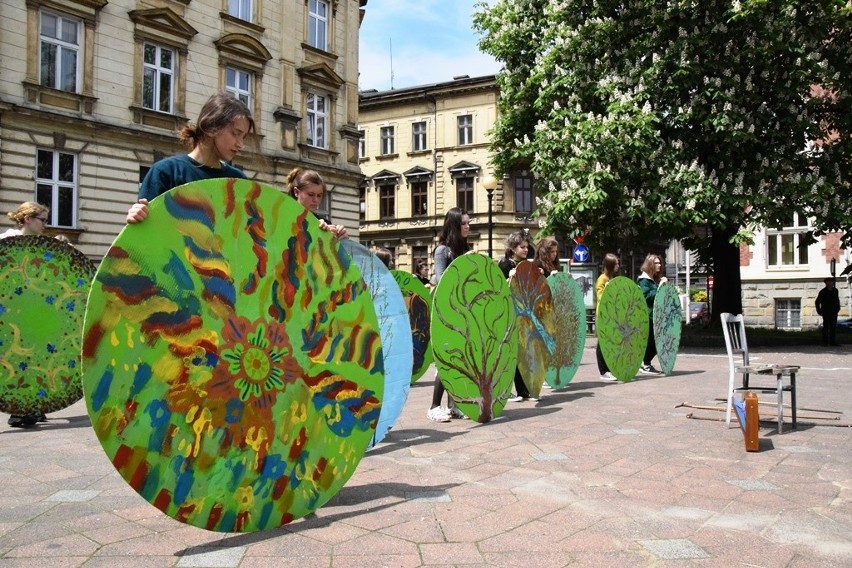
(668, 319)
(474, 336)
(569, 316)
(534, 307)
(622, 327)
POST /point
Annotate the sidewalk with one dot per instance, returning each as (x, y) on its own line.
(600, 474)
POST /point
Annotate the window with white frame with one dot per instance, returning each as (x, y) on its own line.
(317, 113)
(362, 144)
(418, 132)
(158, 74)
(240, 9)
(56, 186)
(387, 140)
(238, 83)
(465, 123)
(59, 51)
(318, 24)
(785, 246)
(788, 313)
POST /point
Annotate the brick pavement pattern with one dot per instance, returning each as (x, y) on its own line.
(598, 474)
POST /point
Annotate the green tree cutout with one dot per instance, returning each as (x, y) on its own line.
(648, 120)
(474, 336)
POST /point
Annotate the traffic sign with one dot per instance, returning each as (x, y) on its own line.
(581, 253)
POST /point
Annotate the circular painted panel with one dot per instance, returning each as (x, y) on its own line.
(569, 315)
(622, 327)
(418, 301)
(232, 358)
(474, 337)
(667, 326)
(536, 325)
(395, 332)
(44, 284)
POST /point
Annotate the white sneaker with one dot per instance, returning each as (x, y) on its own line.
(438, 414)
(515, 399)
(649, 370)
(609, 377)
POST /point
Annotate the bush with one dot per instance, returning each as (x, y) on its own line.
(697, 295)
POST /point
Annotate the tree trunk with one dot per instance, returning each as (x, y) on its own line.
(727, 286)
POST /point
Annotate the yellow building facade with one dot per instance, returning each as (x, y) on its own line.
(425, 150)
(94, 92)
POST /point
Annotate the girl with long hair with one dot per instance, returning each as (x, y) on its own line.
(649, 281)
(452, 243)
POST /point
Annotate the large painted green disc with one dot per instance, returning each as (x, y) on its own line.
(474, 338)
(418, 300)
(569, 315)
(232, 359)
(667, 326)
(44, 284)
(536, 325)
(622, 327)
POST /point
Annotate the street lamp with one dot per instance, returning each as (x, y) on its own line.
(489, 182)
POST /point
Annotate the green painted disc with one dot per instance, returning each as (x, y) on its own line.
(622, 327)
(232, 359)
(667, 326)
(474, 337)
(536, 324)
(569, 315)
(44, 284)
(418, 300)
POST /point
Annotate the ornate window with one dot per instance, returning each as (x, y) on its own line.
(60, 70)
(59, 51)
(240, 9)
(318, 21)
(161, 40)
(158, 77)
(239, 84)
(317, 111)
(387, 201)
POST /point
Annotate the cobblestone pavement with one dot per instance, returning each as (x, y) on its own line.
(599, 474)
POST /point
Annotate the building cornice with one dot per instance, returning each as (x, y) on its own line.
(372, 98)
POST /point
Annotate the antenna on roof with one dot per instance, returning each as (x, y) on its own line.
(390, 43)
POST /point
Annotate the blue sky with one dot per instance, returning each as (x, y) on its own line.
(432, 42)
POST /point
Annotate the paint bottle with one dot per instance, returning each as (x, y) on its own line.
(752, 425)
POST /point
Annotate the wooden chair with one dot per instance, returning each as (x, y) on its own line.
(733, 328)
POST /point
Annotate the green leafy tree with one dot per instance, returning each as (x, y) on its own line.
(701, 120)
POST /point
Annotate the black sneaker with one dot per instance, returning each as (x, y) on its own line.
(649, 370)
(17, 422)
